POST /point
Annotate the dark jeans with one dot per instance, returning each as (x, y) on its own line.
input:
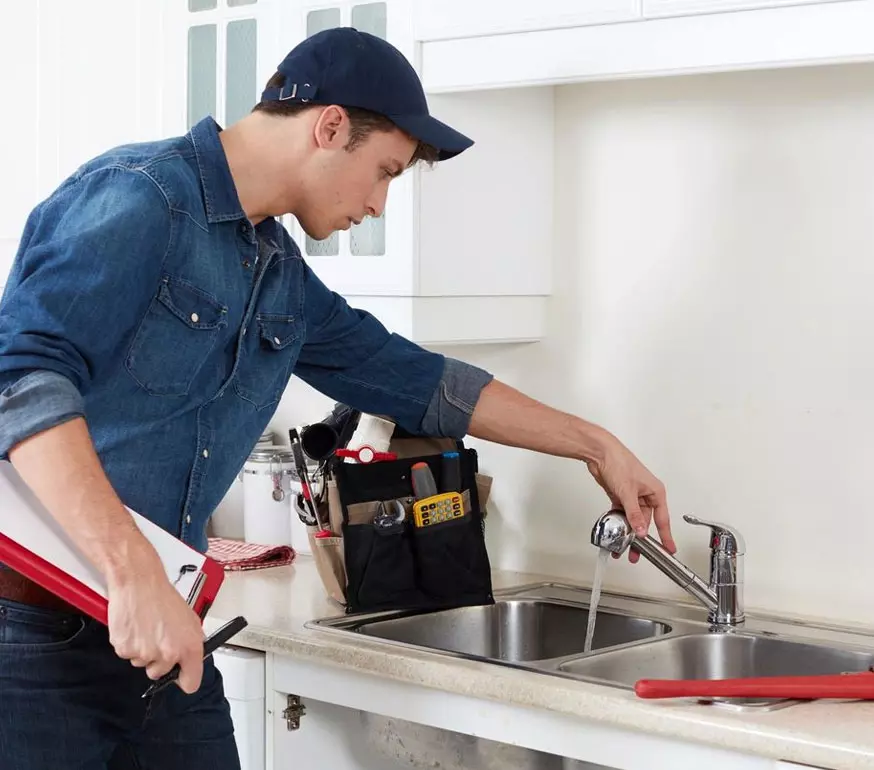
(68, 701)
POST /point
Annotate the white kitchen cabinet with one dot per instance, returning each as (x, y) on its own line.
(19, 152)
(243, 672)
(440, 19)
(342, 729)
(802, 34)
(659, 8)
(463, 251)
(80, 77)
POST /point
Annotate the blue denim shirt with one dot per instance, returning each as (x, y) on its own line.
(143, 299)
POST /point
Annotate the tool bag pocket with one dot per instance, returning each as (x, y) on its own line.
(380, 569)
(449, 559)
(405, 566)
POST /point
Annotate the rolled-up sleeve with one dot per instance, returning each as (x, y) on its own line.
(88, 262)
(453, 402)
(351, 357)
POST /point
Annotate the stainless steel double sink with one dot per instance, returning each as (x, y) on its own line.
(542, 627)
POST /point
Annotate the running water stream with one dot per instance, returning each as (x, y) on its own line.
(603, 555)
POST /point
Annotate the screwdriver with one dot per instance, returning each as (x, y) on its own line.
(423, 481)
(450, 473)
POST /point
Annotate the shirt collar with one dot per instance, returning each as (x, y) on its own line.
(219, 191)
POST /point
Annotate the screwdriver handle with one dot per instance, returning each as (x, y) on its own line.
(423, 481)
(450, 473)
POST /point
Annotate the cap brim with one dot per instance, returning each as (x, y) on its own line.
(425, 128)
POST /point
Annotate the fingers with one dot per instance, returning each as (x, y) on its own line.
(662, 518)
(191, 671)
(156, 669)
(639, 523)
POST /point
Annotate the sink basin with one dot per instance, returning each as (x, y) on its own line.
(513, 630)
(718, 656)
(542, 627)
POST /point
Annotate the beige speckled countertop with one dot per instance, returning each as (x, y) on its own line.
(277, 602)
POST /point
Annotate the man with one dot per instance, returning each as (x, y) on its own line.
(152, 319)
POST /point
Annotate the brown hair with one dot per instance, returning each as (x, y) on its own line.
(362, 122)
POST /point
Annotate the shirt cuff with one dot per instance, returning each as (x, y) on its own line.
(453, 402)
(38, 401)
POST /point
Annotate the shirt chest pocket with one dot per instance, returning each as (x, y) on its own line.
(269, 350)
(175, 338)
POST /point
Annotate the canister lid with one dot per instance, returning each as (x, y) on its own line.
(280, 454)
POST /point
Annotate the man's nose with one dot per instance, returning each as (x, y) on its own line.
(376, 203)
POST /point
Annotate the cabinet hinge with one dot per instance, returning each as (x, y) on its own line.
(293, 712)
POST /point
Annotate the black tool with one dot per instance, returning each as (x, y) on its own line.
(319, 440)
(210, 645)
(303, 476)
(450, 472)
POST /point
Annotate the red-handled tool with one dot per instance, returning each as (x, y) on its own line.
(365, 454)
(855, 686)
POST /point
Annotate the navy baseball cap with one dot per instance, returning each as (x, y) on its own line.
(356, 69)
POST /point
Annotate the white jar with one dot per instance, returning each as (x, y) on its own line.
(227, 518)
(267, 496)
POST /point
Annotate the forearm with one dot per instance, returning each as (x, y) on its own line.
(506, 416)
(62, 468)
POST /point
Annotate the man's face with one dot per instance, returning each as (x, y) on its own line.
(342, 187)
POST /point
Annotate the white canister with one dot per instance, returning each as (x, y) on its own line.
(227, 518)
(267, 496)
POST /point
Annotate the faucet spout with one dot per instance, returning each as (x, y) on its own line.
(721, 597)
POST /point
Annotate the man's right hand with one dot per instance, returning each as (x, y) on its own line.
(151, 625)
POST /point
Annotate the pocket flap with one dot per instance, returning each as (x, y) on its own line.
(277, 331)
(194, 307)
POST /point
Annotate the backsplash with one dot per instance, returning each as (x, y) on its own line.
(714, 244)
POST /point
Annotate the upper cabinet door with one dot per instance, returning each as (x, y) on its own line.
(442, 19)
(653, 9)
(214, 62)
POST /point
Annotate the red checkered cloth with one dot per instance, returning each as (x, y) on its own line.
(239, 555)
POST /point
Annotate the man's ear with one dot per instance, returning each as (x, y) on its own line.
(331, 128)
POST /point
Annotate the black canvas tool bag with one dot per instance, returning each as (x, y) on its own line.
(366, 567)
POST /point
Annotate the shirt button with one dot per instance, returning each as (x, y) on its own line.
(194, 318)
(276, 341)
(188, 519)
(206, 453)
(247, 264)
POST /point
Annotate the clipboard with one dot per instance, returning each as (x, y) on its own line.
(33, 543)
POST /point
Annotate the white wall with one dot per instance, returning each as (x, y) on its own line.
(715, 263)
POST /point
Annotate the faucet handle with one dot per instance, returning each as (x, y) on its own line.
(726, 539)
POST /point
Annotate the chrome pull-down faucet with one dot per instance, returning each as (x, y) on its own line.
(722, 595)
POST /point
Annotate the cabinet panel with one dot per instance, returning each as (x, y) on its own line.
(486, 217)
(440, 19)
(658, 8)
(19, 108)
(815, 33)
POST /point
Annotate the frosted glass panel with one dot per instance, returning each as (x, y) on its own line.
(232, 3)
(330, 247)
(324, 18)
(368, 238)
(240, 94)
(370, 17)
(201, 5)
(201, 72)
